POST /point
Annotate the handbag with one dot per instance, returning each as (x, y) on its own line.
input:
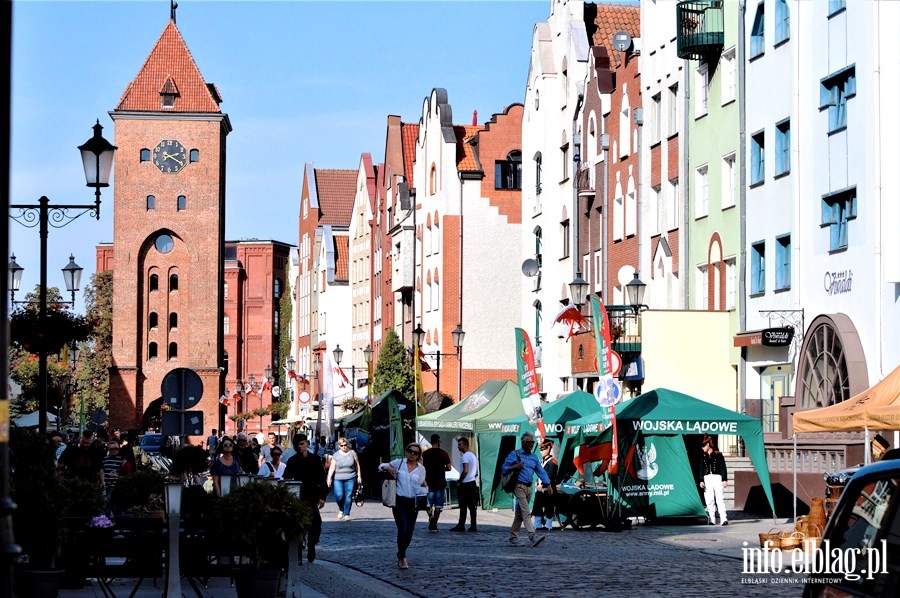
(389, 492)
(359, 496)
(421, 502)
(509, 479)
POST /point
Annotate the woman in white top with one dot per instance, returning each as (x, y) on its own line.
(274, 468)
(410, 474)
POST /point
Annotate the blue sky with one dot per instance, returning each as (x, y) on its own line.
(300, 81)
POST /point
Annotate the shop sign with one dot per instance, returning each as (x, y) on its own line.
(837, 283)
(777, 337)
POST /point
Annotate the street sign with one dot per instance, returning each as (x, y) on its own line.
(172, 423)
(303, 397)
(182, 389)
(616, 360)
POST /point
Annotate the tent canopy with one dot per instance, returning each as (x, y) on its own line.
(485, 410)
(557, 414)
(32, 420)
(877, 408)
(664, 412)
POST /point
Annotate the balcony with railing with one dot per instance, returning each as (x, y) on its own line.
(701, 28)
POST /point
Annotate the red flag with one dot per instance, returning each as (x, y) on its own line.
(223, 400)
(423, 365)
(250, 391)
(267, 385)
(344, 382)
(589, 454)
(570, 320)
(293, 375)
(236, 396)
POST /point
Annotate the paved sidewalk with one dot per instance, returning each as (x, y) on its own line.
(357, 558)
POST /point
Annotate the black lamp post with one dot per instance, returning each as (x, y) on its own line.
(458, 335)
(578, 288)
(317, 365)
(97, 155)
(635, 290)
(369, 352)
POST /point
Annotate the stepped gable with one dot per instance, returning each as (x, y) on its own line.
(170, 69)
(409, 133)
(609, 18)
(465, 152)
(336, 190)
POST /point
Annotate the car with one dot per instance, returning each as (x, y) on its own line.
(860, 550)
(151, 443)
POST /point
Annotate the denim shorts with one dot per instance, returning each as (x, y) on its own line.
(436, 498)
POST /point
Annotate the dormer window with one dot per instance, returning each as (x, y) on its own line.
(168, 93)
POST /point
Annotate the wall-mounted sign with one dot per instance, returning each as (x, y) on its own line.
(837, 283)
(634, 371)
(777, 337)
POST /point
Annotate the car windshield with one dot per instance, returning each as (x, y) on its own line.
(152, 441)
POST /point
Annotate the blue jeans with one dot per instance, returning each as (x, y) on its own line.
(343, 494)
(405, 517)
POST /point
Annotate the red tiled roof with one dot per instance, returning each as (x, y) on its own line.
(409, 134)
(342, 257)
(465, 153)
(609, 19)
(169, 67)
(336, 190)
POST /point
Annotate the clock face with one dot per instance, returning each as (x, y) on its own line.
(169, 156)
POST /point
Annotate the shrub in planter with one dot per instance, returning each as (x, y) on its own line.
(38, 518)
(138, 493)
(261, 519)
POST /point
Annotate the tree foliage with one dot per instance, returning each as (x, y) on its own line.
(285, 323)
(92, 369)
(393, 369)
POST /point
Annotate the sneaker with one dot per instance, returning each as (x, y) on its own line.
(724, 523)
(347, 518)
(513, 541)
(340, 516)
(536, 540)
(473, 529)
(458, 528)
(710, 522)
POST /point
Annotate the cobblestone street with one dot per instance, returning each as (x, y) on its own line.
(356, 558)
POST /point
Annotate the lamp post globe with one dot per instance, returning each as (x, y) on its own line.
(635, 290)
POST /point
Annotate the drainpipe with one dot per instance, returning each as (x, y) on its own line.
(604, 232)
(639, 121)
(576, 213)
(742, 269)
(684, 237)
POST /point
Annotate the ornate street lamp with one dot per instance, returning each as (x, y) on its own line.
(317, 365)
(635, 290)
(97, 157)
(578, 289)
(369, 352)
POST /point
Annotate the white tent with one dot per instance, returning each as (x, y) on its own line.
(32, 420)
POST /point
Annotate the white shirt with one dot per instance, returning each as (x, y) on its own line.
(408, 482)
(468, 458)
(279, 471)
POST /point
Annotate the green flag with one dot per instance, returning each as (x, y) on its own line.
(395, 428)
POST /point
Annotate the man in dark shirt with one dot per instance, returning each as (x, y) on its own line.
(437, 463)
(83, 460)
(307, 468)
(245, 455)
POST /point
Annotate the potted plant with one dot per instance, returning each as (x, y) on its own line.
(256, 521)
(139, 494)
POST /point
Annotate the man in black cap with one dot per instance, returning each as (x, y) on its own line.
(308, 468)
(437, 463)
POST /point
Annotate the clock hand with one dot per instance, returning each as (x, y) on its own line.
(167, 155)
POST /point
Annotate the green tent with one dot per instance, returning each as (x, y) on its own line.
(557, 414)
(480, 417)
(655, 473)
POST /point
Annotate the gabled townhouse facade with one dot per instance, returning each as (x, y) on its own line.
(364, 289)
(554, 92)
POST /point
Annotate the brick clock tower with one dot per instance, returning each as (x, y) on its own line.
(169, 224)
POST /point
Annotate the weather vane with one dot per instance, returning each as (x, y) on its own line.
(174, 8)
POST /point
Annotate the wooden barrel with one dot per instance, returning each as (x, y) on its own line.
(817, 513)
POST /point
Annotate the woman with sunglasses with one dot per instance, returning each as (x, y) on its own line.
(410, 474)
(274, 468)
(225, 465)
(344, 470)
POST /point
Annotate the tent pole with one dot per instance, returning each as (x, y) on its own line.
(866, 450)
(795, 477)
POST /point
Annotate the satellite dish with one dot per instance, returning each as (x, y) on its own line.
(621, 41)
(276, 391)
(625, 275)
(530, 267)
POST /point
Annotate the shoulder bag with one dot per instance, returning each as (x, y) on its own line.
(509, 479)
(389, 491)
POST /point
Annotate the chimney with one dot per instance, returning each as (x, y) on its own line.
(474, 118)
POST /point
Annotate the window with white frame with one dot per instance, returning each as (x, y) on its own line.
(727, 68)
(427, 240)
(653, 214)
(783, 147)
(625, 125)
(598, 270)
(701, 192)
(729, 184)
(673, 110)
(436, 300)
(838, 209)
(436, 237)
(672, 205)
(835, 6)
(631, 211)
(702, 287)
(618, 218)
(656, 119)
(701, 90)
(564, 235)
(730, 282)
